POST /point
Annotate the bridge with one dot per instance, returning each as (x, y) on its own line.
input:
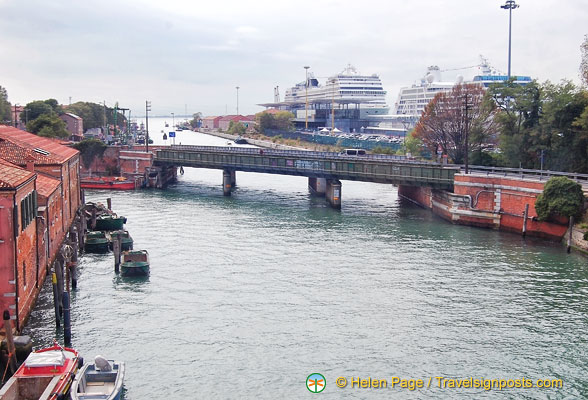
(325, 170)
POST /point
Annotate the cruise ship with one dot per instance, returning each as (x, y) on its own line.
(349, 87)
(412, 100)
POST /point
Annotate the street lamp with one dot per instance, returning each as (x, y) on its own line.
(509, 5)
(306, 67)
(237, 87)
(174, 126)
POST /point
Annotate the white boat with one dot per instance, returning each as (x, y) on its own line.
(101, 380)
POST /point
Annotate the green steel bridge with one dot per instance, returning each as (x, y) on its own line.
(325, 170)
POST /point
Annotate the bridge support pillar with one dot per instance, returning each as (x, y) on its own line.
(317, 186)
(227, 182)
(333, 193)
(233, 178)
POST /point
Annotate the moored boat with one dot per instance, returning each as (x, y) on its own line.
(135, 263)
(46, 374)
(126, 240)
(102, 379)
(109, 222)
(240, 140)
(96, 242)
(108, 182)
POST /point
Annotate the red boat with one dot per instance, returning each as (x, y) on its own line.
(46, 374)
(108, 182)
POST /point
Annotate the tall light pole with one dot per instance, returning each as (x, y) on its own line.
(174, 126)
(147, 109)
(306, 67)
(509, 5)
(237, 87)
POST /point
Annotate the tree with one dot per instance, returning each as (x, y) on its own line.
(281, 121)
(196, 118)
(90, 149)
(48, 125)
(448, 117)
(5, 107)
(584, 62)
(561, 197)
(236, 128)
(413, 145)
(519, 110)
(35, 109)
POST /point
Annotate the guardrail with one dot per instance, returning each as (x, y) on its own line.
(307, 154)
(522, 172)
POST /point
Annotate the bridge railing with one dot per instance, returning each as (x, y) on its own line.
(304, 154)
(522, 172)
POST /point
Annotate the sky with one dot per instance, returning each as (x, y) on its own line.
(191, 55)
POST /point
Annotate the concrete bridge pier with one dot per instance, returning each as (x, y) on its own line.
(317, 186)
(228, 181)
(333, 193)
(233, 178)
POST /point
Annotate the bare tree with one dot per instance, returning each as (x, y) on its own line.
(449, 117)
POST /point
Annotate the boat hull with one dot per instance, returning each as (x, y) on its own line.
(134, 269)
(109, 224)
(107, 183)
(95, 246)
(46, 374)
(91, 383)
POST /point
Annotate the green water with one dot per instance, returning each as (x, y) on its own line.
(249, 295)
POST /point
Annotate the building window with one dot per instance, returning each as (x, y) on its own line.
(24, 273)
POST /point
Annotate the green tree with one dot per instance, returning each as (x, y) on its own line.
(5, 107)
(518, 118)
(35, 109)
(561, 197)
(94, 114)
(48, 125)
(413, 145)
(281, 121)
(236, 128)
(90, 149)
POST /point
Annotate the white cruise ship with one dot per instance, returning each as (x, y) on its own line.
(346, 89)
(412, 100)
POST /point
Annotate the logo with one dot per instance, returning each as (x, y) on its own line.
(316, 383)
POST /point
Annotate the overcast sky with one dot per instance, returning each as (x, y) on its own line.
(179, 53)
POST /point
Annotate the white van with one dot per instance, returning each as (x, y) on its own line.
(353, 152)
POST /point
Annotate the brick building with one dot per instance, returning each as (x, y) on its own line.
(210, 122)
(74, 125)
(19, 272)
(39, 197)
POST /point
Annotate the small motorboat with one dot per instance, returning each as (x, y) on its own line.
(240, 140)
(109, 222)
(46, 374)
(135, 263)
(126, 240)
(96, 242)
(101, 380)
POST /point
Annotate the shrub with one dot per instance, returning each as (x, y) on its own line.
(561, 197)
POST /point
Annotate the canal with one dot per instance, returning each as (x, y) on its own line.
(250, 294)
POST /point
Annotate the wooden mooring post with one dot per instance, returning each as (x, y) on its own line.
(570, 232)
(109, 203)
(66, 320)
(116, 249)
(525, 217)
(56, 299)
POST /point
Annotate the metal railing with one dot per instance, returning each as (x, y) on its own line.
(530, 173)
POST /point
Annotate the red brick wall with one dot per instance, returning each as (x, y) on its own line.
(6, 251)
(418, 194)
(497, 202)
